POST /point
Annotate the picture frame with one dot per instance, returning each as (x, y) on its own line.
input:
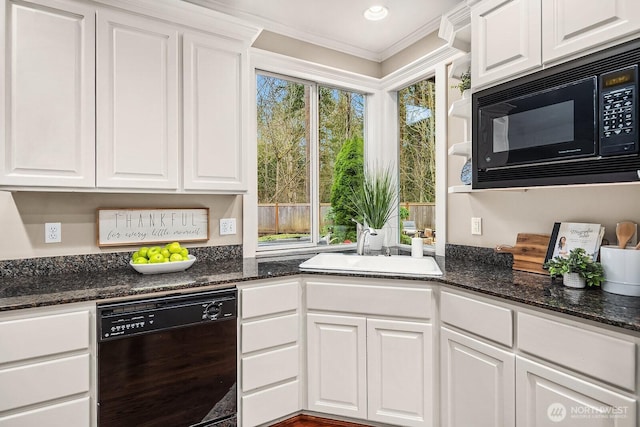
(135, 226)
(566, 236)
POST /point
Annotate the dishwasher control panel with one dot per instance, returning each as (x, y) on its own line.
(116, 320)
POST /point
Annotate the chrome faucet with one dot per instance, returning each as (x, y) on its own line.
(361, 232)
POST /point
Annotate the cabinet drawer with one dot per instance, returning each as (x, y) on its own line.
(366, 299)
(270, 404)
(267, 333)
(68, 414)
(269, 368)
(39, 382)
(269, 299)
(43, 336)
(606, 358)
(486, 320)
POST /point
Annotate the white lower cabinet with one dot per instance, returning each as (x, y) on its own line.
(269, 369)
(46, 368)
(400, 372)
(337, 364)
(548, 397)
(477, 382)
(379, 370)
(365, 367)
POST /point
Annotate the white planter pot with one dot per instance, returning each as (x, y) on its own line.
(573, 280)
(376, 242)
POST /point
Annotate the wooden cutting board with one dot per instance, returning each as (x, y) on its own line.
(529, 252)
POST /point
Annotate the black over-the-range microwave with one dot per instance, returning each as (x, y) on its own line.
(575, 123)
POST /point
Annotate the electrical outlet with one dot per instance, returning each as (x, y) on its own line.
(227, 226)
(52, 232)
(476, 226)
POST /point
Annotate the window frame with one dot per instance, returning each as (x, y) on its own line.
(315, 75)
(381, 134)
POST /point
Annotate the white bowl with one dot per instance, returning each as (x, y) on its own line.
(163, 267)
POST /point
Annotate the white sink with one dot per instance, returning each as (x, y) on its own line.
(395, 265)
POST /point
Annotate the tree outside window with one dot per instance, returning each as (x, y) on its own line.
(417, 166)
(288, 152)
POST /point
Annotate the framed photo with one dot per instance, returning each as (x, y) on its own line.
(570, 235)
(129, 226)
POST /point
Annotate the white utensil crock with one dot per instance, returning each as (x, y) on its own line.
(621, 270)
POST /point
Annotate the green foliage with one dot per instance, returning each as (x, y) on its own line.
(417, 174)
(465, 81)
(341, 117)
(577, 262)
(348, 174)
(405, 240)
(376, 199)
(404, 213)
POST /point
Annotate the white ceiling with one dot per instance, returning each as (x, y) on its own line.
(340, 24)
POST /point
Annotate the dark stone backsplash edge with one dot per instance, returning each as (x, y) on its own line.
(476, 254)
(96, 263)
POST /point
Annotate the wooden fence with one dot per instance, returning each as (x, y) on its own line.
(292, 218)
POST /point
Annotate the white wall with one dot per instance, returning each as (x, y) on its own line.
(23, 215)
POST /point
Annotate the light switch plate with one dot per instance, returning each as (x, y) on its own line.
(476, 226)
(227, 226)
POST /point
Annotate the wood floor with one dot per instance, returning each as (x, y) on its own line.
(310, 421)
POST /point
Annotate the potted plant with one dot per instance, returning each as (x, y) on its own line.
(374, 202)
(465, 83)
(577, 270)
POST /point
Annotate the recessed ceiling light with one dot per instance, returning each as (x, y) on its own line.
(376, 13)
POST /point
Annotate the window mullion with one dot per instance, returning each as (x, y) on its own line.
(314, 161)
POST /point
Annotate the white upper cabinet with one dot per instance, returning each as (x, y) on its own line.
(515, 37)
(213, 93)
(505, 38)
(110, 99)
(47, 78)
(137, 109)
(574, 25)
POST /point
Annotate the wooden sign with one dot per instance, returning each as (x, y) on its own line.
(122, 227)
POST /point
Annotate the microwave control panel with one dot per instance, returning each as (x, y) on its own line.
(619, 111)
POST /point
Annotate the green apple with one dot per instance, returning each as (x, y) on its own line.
(140, 260)
(165, 253)
(174, 248)
(143, 251)
(153, 250)
(175, 257)
(185, 253)
(156, 258)
(135, 255)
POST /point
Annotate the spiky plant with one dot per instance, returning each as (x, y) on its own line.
(375, 200)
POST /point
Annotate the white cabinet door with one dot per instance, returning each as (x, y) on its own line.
(48, 104)
(213, 139)
(337, 365)
(137, 102)
(400, 372)
(505, 35)
(574, 25)
(478, 383)
(546, 397)
(74, 413)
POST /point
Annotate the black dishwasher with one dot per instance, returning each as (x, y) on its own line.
(168, 361)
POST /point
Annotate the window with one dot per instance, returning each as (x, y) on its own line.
(310, 141)
(417, 160)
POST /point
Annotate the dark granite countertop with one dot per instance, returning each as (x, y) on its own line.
(535, 290)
